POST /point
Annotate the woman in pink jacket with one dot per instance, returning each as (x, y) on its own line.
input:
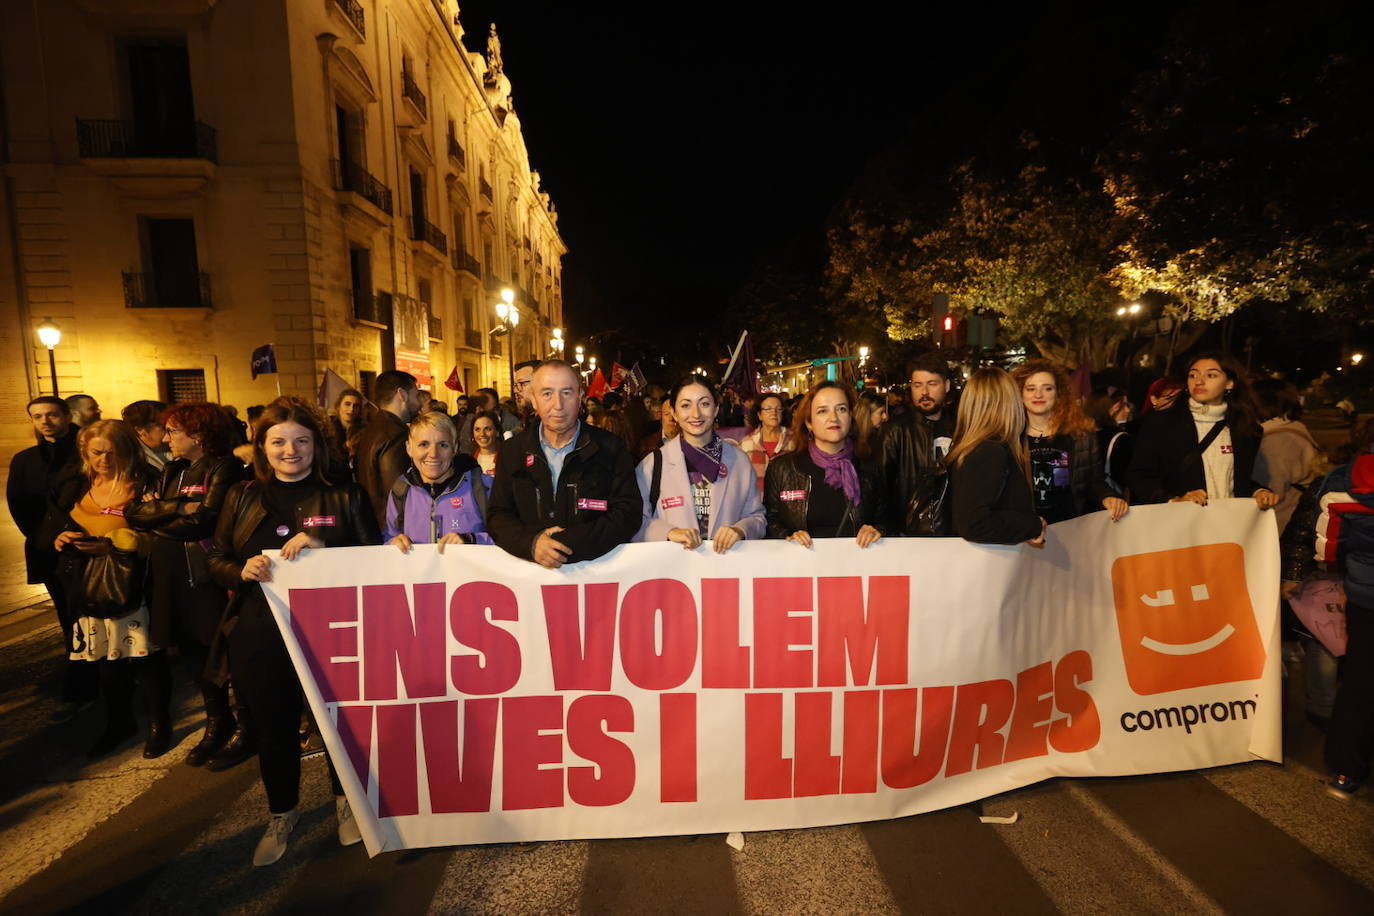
(697, 486)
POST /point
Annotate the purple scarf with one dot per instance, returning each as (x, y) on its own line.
(704, 463)
(839, 469)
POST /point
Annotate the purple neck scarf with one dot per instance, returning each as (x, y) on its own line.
(839, 469)
(704, 463)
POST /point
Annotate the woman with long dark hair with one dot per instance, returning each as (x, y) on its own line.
(86, 525)
(820, 489)
(1204, 446)
(486, 443)
(290, 506)
(698, 487)
(990, 466)
(180, 514)
(1066, 472)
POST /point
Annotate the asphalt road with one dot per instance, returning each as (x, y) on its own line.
(125, 835)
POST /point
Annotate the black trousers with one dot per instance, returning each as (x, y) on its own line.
(1350, 737)
(266, 682)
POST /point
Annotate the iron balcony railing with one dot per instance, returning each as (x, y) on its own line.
(455, 151)
(349, 176)
(465, 261)
(485, 187)
(373, 307)
(422, 230)
(354, 11)
(436, 328)
(132, 140)
(473, 338)
(186, 290)
(411, 90)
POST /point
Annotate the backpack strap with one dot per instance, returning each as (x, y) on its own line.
(656, 478)
(399, 491)
(479, 490)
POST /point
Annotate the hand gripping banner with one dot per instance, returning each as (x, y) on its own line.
(477, 698)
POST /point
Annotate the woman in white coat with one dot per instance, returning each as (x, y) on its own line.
(697, 486)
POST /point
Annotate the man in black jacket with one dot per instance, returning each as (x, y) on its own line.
(381, 455)
(913, 451)
(34, 474)
(564, 491)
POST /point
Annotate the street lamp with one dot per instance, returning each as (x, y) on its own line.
(1128, 312)
(50, 336)
(556, 343)
(1355, 358)
(509, 316)
(578, 352)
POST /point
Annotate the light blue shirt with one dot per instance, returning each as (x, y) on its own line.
(556, 456)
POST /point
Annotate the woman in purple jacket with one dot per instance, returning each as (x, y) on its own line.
(440, 499)
(697, 486)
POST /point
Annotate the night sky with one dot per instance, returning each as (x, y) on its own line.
(681, 151)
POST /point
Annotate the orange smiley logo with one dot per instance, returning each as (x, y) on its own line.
(1185, 618)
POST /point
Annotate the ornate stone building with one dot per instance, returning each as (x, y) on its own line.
(186, 180)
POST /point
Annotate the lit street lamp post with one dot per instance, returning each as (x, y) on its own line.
(556, 344)
(509, 316)
(50, 336)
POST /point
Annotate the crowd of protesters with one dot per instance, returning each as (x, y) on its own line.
(149, 532)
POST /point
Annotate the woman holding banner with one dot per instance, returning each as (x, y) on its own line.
(989, 465)
(441, 499)
(1067, 475)
(1204, 446)
(697, 486)
(290, 507)
(820, 488)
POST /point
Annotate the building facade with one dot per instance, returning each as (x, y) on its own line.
(187, 180)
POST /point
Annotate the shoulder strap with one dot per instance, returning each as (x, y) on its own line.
(399, 491)
(656, 478)
(479, 490)
(1197, 451)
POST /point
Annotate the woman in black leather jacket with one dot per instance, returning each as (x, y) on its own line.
(185, 604)
(820, 488)
(290, 507)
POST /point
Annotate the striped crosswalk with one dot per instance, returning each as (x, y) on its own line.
(128, 835)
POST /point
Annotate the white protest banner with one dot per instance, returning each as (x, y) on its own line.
(477, 698)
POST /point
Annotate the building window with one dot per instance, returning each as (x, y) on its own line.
(157, 96)
(349, 127)
(181, 386)
(170, 276)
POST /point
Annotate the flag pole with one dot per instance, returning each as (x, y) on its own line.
(734, 356)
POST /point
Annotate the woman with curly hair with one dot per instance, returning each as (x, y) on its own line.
(181, 514)
(1067, 475)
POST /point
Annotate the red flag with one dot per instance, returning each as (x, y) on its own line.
(452, 383)
(598, 388)
(617, 374)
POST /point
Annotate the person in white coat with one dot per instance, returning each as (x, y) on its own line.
(697, 486)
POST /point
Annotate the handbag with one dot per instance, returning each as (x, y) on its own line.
(105, 585)
(927, 514)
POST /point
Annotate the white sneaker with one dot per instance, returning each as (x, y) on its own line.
(272, 846)
(348, 826)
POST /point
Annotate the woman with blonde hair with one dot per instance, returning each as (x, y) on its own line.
(97, 550)
(442, 498)
(989, 465)
(1067, 475)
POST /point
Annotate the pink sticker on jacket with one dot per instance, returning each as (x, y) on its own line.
(456, 502)
(792, 496)
(672, 502)
(596, 505)
(319, 521)
(529, 461)
(193, 489)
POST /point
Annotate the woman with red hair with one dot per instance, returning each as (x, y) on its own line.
(1067, 475)
(181, 513)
